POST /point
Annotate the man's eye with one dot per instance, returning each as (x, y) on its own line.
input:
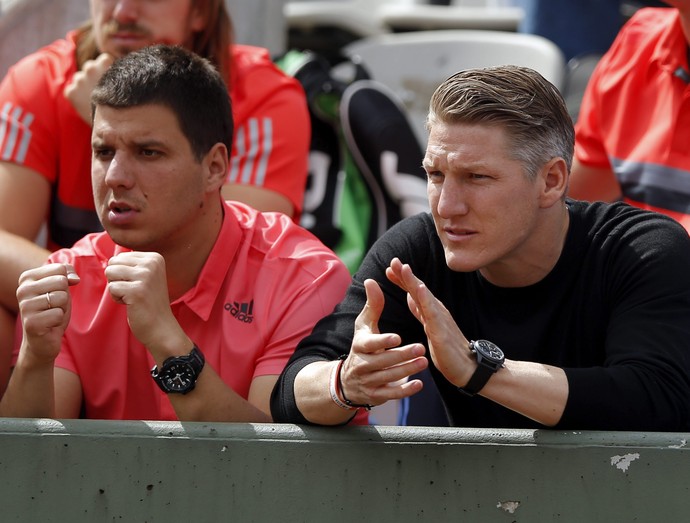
(102, 153)
(434, 176)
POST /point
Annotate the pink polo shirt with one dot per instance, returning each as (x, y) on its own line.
(266, 283)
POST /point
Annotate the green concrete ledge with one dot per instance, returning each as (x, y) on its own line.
(93, 471)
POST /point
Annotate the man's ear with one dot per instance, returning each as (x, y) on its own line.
(216, 163)
(554, 181)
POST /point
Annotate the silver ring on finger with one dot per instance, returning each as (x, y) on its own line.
(50, 305)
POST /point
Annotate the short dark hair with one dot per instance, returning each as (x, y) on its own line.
(520, 100)
(176, 78)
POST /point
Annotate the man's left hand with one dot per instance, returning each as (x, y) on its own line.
(138, 280)
(447, 344)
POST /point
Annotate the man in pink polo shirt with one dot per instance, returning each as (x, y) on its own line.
(187, 307)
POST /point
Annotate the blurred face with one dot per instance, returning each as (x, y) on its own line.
(122, 26)
(484, 206)
(149, 190)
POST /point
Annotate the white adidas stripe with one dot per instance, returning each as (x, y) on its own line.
(255, 136)
(15, 128)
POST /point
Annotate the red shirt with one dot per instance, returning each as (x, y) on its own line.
(266, 283)
(635, 115)
(39, 129)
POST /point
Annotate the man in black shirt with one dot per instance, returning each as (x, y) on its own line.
(531, 310)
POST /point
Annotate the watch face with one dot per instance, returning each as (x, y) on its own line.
(178, 377)
(489, 350)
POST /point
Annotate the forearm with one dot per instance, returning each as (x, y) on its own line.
(17, 254)
(213, 400)
(259, 198)
(312, 392)
(30, 392)
(593, 184)
(7, 326)
(537, 391)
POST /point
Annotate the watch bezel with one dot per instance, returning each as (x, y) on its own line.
(184, 368)
(488, 354)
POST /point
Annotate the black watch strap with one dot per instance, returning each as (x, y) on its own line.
(478, 380)
(489, 359)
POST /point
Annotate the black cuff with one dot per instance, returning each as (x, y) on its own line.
(283, 404)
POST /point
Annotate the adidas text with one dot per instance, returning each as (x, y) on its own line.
(241, 311)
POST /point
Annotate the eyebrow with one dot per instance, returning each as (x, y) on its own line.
(96, 141)
(148, 142)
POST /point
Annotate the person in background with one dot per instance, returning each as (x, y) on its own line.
(45, 129)
(531, 310)
(577, 27)
(631, 133)
(212, 295)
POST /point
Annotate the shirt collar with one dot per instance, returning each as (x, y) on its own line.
(201, 298)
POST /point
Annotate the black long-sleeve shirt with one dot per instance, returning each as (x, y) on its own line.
(614, 313)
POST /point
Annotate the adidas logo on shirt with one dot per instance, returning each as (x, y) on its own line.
(242, 311)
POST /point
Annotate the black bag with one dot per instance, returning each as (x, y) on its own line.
(365, 161)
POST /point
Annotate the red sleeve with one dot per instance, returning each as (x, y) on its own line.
(616, 85)
(29, 116)
(272, 127)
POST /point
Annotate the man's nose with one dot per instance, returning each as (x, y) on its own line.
(451, 201)
(126, 11)
(118, 172)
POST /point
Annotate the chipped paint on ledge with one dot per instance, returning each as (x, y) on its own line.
(508, 506)
(623, 462)
(682, 444)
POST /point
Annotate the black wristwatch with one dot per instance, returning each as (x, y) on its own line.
(179, 373)
(489, 359)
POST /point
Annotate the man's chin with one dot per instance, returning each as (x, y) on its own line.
(124, 238)
(460, 263)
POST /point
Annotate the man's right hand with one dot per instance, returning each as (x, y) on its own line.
(79, 90)
(377, 368)
(45, 306)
